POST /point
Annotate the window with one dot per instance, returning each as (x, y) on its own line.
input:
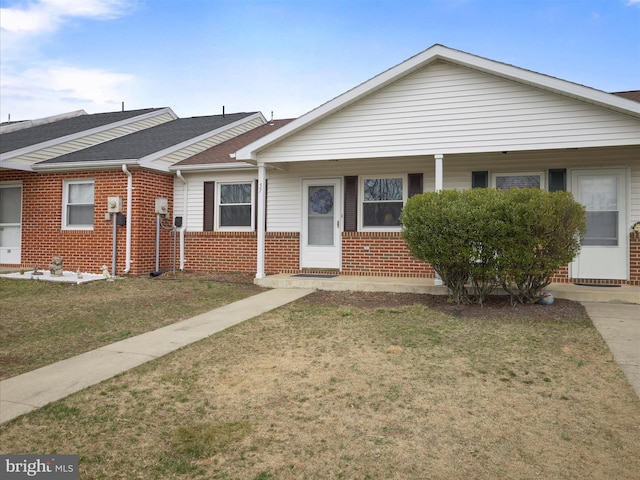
(235, 206)
(505, 181)
(382, 202)
(78, 204)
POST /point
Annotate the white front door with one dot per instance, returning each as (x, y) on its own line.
(10, 223)
(605, 250)
(320, 239)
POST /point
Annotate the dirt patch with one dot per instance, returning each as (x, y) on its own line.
(496, 307)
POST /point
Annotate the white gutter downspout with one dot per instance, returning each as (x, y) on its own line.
(262, 194)
(127, 266)
(439, 183)
(183, 228)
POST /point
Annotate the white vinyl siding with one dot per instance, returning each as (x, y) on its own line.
(283, 192)
(195, 202)
(444, 108)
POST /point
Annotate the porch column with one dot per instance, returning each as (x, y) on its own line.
(439, 180)
(262, 215)
(439, 183)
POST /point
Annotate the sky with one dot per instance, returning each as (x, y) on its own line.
(285, 56)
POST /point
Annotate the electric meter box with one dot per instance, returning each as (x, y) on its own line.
(162, 206)
(114, 204)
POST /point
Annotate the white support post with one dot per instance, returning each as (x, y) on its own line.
(439, 170)
(262, 215)
(439, 183)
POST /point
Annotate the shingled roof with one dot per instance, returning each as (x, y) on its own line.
(151, 140)
(631, 95)
(50, 131)
(222, 153)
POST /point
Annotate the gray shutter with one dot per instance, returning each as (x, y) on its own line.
(351, 204)
(209, 206)
(479, 179)
(415, 184)
(557, 179)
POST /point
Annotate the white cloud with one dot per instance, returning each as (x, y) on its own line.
(633, 2)
(48, 90)
(48, 15)
(32, 87)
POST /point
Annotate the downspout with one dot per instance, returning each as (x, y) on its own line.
(183, 228)
(127, 266)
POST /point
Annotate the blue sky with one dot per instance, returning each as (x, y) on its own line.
(286, 56)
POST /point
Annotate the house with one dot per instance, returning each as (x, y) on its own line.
(332, 183)
(96, 189)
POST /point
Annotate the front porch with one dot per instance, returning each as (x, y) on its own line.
(569, 291)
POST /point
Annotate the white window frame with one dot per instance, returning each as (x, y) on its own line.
(218, 205)
(65, 203)
(541, 174)
(361, 180)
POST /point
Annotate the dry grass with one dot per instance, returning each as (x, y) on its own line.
(44, 322)
(314, 391)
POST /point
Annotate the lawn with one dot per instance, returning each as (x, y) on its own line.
(44, 322)
(359, 386)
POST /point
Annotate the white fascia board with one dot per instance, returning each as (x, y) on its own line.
(15, 166)
(85, 133)
(84, 166)
(421, 60)
(149, 159)
(213, 167)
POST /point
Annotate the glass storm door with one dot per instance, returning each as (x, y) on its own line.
(320, 239)
(605, 250)
(10, 223)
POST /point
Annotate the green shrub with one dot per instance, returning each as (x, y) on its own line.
(545, 231)
(483, 238)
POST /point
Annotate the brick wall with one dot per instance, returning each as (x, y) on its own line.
(87, 250)
(381, 254)
(220, 252)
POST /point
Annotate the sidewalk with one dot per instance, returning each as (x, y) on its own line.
(619, 325)
(27, 392)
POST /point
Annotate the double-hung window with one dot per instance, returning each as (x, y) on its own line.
(382, 200)
(77, 204)
(235, 206)
(505, 181)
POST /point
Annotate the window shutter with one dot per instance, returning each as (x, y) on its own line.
(209, 206)
(351, 204)
(557, 179)
(415, 184)
(479, 179)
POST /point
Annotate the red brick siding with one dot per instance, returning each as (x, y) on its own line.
(381, 254)
(220, 252)
(282, 252)
(87, 250)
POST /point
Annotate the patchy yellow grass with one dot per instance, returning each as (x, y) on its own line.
(335, 392)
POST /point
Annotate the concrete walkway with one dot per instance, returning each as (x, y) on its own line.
(23, 393)
(619, 325)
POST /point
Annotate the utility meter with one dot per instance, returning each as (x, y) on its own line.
(162, 206)
(114, 204)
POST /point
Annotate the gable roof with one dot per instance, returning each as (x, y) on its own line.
(431, 55)
(140, 145)
(223, 154)
(60, 130)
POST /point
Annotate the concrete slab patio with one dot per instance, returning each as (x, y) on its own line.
(30, 391)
